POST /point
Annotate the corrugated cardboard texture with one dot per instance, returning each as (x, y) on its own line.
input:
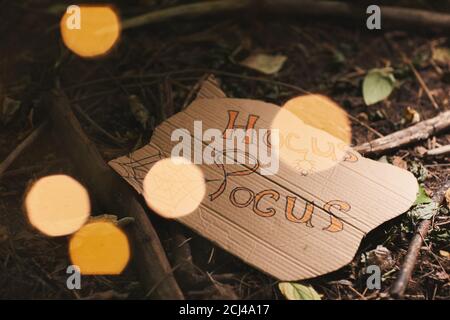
(289, 225)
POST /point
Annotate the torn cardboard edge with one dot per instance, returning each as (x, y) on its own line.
(318, 221)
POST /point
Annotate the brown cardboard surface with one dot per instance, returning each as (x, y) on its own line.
(298, 225)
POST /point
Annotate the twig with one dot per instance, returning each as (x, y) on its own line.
(21, 147)
(186, 11)
(420, 131)
(114, 195)
(419, 78)
(365, 125)
(94, 124)
(398, 16)
(439, 151)
(423, 85)
(400, 285)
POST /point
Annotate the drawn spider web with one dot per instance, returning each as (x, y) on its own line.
(135, 168)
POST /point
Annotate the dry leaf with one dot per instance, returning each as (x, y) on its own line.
(380, 256)
(296, 291)
(421, 151)
(444, 253)
(412, 115)
(441, 55)
(399, 162)
(442, 275)
(139, 111)
(265, 63)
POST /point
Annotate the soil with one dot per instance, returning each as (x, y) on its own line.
(161, 64)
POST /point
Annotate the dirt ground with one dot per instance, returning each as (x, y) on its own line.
(161, 64)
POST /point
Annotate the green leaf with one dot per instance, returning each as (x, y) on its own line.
(424, 211)
(296, 291)
(378, 85)
(265, 63)
(422, 196)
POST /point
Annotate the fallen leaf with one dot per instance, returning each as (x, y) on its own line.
(399, 162)
(444, 253)
(411, 115)
(442, 275)
(296, 291)
(265, 63)
(441, 55)
(378, 85)
(139, 111)
(421, 151)
(424, 211)
(422, 196)
(380, 256)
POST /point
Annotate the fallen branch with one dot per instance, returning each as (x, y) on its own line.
(115, 196)
(419, 78)
(21, 147)
(192, 10)
(94, 125)
(396, 16)
(418, 132)
(439, 151)
(398, 288)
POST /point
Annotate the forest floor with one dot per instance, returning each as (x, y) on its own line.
(161, 64)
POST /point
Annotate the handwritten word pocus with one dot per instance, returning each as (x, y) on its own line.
(253, 200)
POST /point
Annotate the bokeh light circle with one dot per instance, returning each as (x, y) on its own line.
(314, 134)
(100, 248)
(57, 205)
(174, 187)
(98, 32)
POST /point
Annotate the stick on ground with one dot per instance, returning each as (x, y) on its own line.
(398, 288)
(21, 147)
(439, 151)
(396, 16)
(420, 131)
(116, 197)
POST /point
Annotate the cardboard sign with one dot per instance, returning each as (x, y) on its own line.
(297, 223)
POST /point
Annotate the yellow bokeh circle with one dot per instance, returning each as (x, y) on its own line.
(100, 248)
(90, 31)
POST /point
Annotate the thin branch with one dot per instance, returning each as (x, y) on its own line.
(439, 151)
(419, 78)
(186, 11)
(115, 196)
(407, 268)
(418, 132)
(21, 147)
(397, 16)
